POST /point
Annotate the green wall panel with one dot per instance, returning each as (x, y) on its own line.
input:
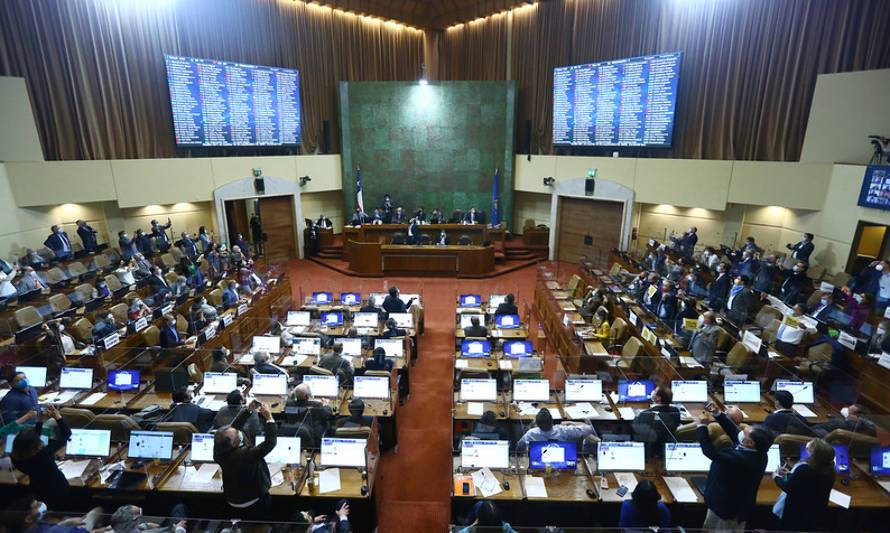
(434, 145)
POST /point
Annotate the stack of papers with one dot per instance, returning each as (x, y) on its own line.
(534, 487)
(681, 490)
(581, 411)
(475, 408)
(205, 473)
(93, 398)
(804, 411)
(627, 413)
(690, 362)
(329, 480)
(74, 469)
(486, 483)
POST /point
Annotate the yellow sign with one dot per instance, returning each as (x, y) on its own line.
(690, 323)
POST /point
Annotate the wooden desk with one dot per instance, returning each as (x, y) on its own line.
(454, 260)
(383, 233)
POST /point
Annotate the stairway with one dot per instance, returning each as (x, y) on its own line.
(331, 252)
(517, 251)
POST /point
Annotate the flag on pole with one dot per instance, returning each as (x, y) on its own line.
(358, 189)
(494, 198)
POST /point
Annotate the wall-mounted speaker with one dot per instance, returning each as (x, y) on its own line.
(326, 136)
(589, 186)
(259, 185)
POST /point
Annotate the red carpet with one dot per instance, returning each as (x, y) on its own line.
(414, 490)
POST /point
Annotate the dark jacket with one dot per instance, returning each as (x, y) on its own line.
(268, 368)
(198, 416)
(88, 237)
(666, 309)
(244, 471)
(786, 421)
(734, 478)
(656, 426)
(742, 307)
(765, 279)
(395, 332)
(48, 483)
(476, 331)
(170, 338)
(802, 251)
(717, 291)
(807, 499)
(226, 415)
(791, 290)
(507, 309)
(394, 304)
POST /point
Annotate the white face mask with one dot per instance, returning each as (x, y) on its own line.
(845, 412)
(858, 298)
(879, 268)
(61, 328)
(41, 510)
(796, 269)
(741, 436)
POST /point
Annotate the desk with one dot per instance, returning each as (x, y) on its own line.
(460, 261)
(383, 233)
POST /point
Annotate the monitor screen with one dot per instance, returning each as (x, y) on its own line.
(89, 442)
(801, 390)
(690, 391)
(741, 391)
(370, 387)
(123, 380)
(365, 320)
(477, 390)
(485, 453)
(299, 318)
(76, 378)
(506, 321)
(558, 455)
(350, 298)
(685, 457)
(377, 298)
(219, 382)
(36, 375)
(841, 456)
(531, 390)
(405, 297)
(625, 102)
(267, 344)
(584, 390)
(392, 347)
(307, 345)
(322, 297)
(875, 192)
(351, 346)
(403, 320)
(151, 445)
(773, 458)
(202, 448)
(343, 452)
(466, 320)
(470, 300)
(323, 386)
(880, 461)
(475, 348)
(222, 103)
(496, 299)
(269, 385)
(10, 439)
(518, 348)
(332, 319)
(621, 456)
(286, 450)
(635, 390)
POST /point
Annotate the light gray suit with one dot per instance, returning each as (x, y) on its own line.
(704, 342)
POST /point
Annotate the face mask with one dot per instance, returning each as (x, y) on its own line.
(824, 301)
(879, 268)
(845, 412)
(858, 298)
(796, 269)
(61, 328)
(741, 436)
(690, 278)
(41, 510)
(22, 384)
(882, 330)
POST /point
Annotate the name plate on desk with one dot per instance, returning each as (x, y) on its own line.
(566, 321)
(242, 309)
(140, 324)
(846, 340)
(227, 320)
(752, 341)
(633, 318)
(209, 332)
(649, 336)
(884, 360)
(111, 341)
(167, 309)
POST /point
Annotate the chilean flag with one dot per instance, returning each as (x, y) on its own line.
(358, 190)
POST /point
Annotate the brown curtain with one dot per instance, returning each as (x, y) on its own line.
(474, 51)
(96, 77)
(748, 71)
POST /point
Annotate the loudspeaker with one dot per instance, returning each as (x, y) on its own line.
(528, 139)
(259, 185)
(326, 136)
(588, 240)
(589, 185)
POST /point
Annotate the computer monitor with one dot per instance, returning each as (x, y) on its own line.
(531, 390)
(286, 450)
(478, 390)
(495, 300)
(635, 390)
(350, 298)
(685, 457)
(407, 297)
(307, 346)
(773, 458)
(392, 347)
(343, 452)
(332, 319)
(202, 448)
(377, 298)
(219, 382)
(170, 379)
(506, 321)
(266, 344)
(89, 442)
(123, 380)
(694, 391)
(352, 346)
(621, 456)
(518, 348)
(322, 297)
(10, 439)
(403, 320)
(841, 456)
(555, 454)
(475, 348)
(802, 391)
(323, 386)
(735, 391)
(466, 319)
(370, 387)
(299, 318)
(36, 375)
(470, 300)
(76, 378)
(485, 453)
(269, 385)
(880, 461)
(365, 320)
(584, 390)
(150, 445)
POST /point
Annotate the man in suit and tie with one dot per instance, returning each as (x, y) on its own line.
(703, 342)
(388, 209)
(420, 216)
(230, 296)
(127, 245)
(719, 288)
(88, 236)
(59, 243)
(802, 250)
(666, 309)
(690, 239)
(413, 231)
(399, 216)
(741, 301)
(324, 222)
(475, 329)
(792, 289)
(30, 281)
(442, 239)
(170, 337)
(183, 410)
(767, 273)
(144, 243)
(159, 234)
(188, 246)
(157, 282)
(358, 218)
(508, 307)
(472, 217)
(784, 419)
(394, 304)
(822, 309)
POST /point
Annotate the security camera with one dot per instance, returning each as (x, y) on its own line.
(304, 180)
(549, 181)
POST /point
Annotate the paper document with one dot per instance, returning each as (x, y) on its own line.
(804, 411)
(839, 498)
(74, 469)
(885, 485)
(503, 364)
(628, 480)
(461, 363)
(773, 355)
(581, 411)
(554, 413)
(205, 473)
(527, 409)
(93, 398)
(627, 413)
(534, 487)
(329, 480)
(475, 408)
(486, 483)
(681, 490)
(690, 362)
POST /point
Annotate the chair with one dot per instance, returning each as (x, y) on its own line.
(119, 311)
(151, 336)
(629, 353)
(77, 418)
(465, 240)
(59, 303)
(766, 315)
(425, 239)
(102, 262)
(130, 296)
(687, 433)
(737, 359)
(398, 238)
(814, 298)
(215, 298)
(182, 431)
(376, 373)
(859, 444)
(177, 254)
(840, 279)
(820, 353)
(114, 284)
(171, 277)
(816, 272)
(195, 374)
(76, 269)
(353, 433)
(168, 261)
(319, 371)
(119, 425)
(771, 330)
(27, 316)
(573, 283)
(84, 291)
(55, 276)
(82, 330)
(182, 325)
(221, 284)
(789, 445)
(618, 332)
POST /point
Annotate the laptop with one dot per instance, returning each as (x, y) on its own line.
(352, 346)
(269, 385)
(322, 297)
(202, 448)
(74, 378)
(475, 348)
(323, 386)
(518, 349)
(558, 455)
(268, 344)
(583, 390)
(682, 457)
(299, 318)
(802, 391)
(286, 450)
(485, 454)
(392, 347)
(478, 390)
(370, 387)
(470, 300)
(350, 298)
(365, 320)
(495, 300)
(403, 320)
(621, 456)
(841, 457)
(635, 390)
(332, 319)
(506, 321)
(466, 319)
(879, 465)
(531, 390)
(307, 346)
(36, 375)
(694, 391)
(89, 443)
(151, 445)
(343, 452)
(219, 382)
(123, 380)
(741, 391)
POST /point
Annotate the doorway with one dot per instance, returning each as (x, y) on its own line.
(869, 243)
(589, 228)
(267, 223)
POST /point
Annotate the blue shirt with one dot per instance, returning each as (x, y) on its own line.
(631, 518)
(17, 402)
(229, 298)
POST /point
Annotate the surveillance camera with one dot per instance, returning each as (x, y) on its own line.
(549, 181)
(304, 180)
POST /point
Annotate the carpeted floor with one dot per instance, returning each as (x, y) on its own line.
(415, 484)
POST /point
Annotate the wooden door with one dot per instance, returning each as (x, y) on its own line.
(583, 221)
(236, 219)
(277, 214)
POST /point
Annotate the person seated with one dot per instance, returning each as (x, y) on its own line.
(508, 306)
(196, 319)
(592, 301)
(356, 418)
(32, 259)
(170, 338)
(851, 420)
(645, 510)
(157, 282)
(442, 239)
(437, 217)
(104, 327)
(210, 312)
(822, 309)
(28, 514)
(784, 419)
(137, 310)
(487, 426)
(475, 329)
(600, 324)
(180, 287)
(399, 216)
(234, 404)
(379, 361)
(545, 430)
(102, 290)
(324, 222)
(129, 518)
(788, 337)
(658, 424)
(378, 216)
(31, 281)
(394, 304)
(472, 217)
(183, 410)
(20, 400)
(487, 517)
(392, 330)
(358, 217)
(262, 364)
(314, 415)
(369, 307)
(420, 216)
(337, 364)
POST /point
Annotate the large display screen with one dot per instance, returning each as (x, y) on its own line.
(876, 187)
(627, 102)
(219, 103)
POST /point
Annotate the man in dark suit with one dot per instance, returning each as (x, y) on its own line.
(242, 245)
(796, 281)
(803, 249)
(821, 309)
(741, 301)
(388, 209)
(358, 218)
(59, 243)
(88, 236)
(230, 296)
(369, 307)
(188, 246)
(735, 474)
(666, 309)
(413, 231)
(472, 217)
(159, 234)
(169, 337)
(746, 266)
(508, 307)
(851, 419)
(156, 282)
(324, 222)
(393, 304)
(420, 216)
(399, 216)
(784, 419)
(767, 273)
(656, 426)
(126, 244)
(337, 364)
(262, 363)
(475, 329)
(392, 330)
(718, 288)
(690, 239)
(437, 217)
(442, 239)
(183, 410)
(144, 243)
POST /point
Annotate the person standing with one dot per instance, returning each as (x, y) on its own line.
(29, 455)
(88, 236)
(802, 250)
(127, 245)
(256, 233)
(59, 243)
(805, 489)
(159, 234)
(645, 509)
(205, 239)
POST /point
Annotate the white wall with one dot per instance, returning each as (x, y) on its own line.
(18, 136)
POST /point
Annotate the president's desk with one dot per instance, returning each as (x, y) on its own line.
(373, 258)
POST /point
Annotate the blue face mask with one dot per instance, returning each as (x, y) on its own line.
(22, 384)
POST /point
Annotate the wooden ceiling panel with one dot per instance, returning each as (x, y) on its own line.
(433, 14)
